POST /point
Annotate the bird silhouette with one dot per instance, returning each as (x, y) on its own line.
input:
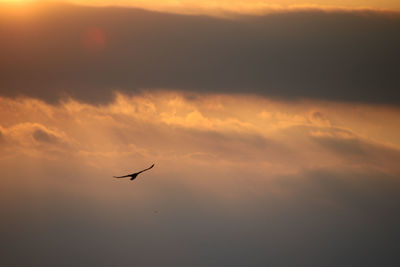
(134, 175)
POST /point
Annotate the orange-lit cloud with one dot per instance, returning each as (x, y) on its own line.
(208, 129)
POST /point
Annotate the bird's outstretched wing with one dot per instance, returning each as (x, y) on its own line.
(146, 169)
(133, 175)
(125, 176)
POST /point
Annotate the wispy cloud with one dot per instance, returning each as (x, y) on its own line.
(216, 127)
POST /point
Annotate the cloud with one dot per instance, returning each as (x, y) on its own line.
(1, 135)
(35, 140)
(172, 127)
(345, 56)
(43, 136)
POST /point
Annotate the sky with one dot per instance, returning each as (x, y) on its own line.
(273, 127)
(222, 7)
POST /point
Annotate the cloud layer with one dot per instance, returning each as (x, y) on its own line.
(211, 127)
(339, 55)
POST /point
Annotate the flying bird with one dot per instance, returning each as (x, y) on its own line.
(133, 175)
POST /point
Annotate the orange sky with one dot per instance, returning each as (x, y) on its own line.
(34, 128)
(220, 7)
(275, 142)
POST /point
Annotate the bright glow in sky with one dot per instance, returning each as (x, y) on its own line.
(240, 5)
(219, 7)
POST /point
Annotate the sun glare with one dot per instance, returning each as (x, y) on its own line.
(16, 1)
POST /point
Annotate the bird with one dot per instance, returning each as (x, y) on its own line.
(134, 175)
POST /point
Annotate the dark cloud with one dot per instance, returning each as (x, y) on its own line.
(45, 137)
(1, 137)
(345, 147)
(360, 151)
(351, 56)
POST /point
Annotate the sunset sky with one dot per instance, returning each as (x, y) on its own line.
(273, 125)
